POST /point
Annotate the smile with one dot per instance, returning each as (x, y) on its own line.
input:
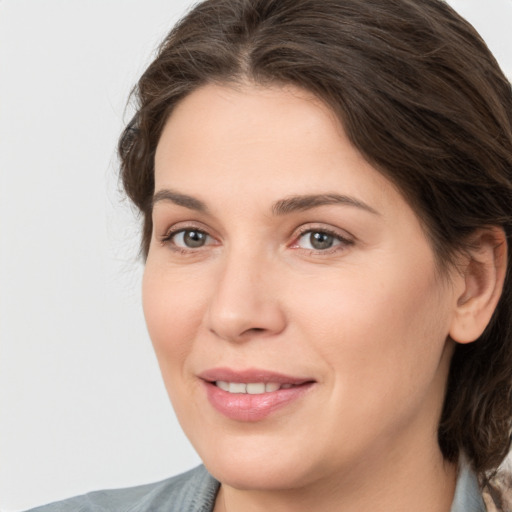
(252, 395)
(251, 388)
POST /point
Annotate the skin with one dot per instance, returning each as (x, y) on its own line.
(368, 318)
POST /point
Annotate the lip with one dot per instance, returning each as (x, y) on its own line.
(251, 375)
(251, 408)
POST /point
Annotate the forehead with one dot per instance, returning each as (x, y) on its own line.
(241, 150)
(271, 132)
(222, 117)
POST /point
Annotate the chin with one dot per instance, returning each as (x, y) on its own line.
(259, 469)
(257, 478)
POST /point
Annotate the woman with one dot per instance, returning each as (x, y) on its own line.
(326, 192)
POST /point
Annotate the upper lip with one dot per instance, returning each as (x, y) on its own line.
(250, 375)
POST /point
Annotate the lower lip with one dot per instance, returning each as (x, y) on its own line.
(251, 408)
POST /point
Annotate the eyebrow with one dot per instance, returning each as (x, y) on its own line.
(282, 207)
(307, 202)
(179, 199)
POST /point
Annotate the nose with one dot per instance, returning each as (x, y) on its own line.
(245, 302)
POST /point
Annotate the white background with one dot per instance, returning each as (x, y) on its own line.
(82, 406)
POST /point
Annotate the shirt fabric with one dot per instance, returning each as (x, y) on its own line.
(195, 491)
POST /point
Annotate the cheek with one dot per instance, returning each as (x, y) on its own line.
(382, 335)
(173, 309)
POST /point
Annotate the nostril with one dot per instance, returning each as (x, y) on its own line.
(252, 331)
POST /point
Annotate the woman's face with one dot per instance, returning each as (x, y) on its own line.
(291, 294)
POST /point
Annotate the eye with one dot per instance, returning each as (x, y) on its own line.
(317, 240)
(320, 240)
(188, 238)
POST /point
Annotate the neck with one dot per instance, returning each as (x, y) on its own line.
(414, 481)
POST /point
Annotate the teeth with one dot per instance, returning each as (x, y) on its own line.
(223, 385)
(252, 388)
(236, 387)
(256, 388)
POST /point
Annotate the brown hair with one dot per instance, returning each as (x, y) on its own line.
(422, 98)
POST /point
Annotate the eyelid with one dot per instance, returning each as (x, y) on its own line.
(182, 226)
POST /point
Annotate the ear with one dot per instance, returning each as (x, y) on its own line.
(482, 274)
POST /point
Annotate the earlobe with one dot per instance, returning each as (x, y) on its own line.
(483, 275)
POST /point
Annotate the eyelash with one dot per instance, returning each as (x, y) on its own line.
(344, 242)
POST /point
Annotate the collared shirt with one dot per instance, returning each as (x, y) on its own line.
(195, 491)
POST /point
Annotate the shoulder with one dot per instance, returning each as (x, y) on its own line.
(497, 490)
(193, 491)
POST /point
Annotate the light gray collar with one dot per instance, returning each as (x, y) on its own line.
(468, 497)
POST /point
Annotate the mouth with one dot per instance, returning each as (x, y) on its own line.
(251, 388)
(252, 395)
